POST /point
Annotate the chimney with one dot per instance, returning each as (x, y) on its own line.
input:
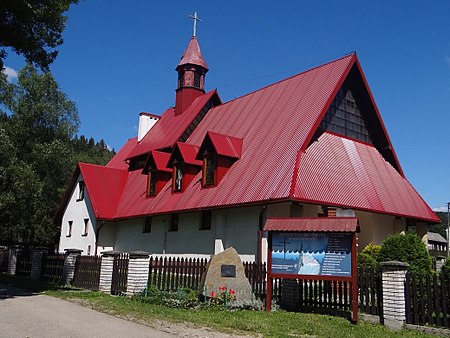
(146, 122)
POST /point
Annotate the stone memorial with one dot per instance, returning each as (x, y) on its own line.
(225, 273)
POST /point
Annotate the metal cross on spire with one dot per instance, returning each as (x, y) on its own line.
(195, 18)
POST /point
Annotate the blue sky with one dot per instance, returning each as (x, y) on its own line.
(119, 58)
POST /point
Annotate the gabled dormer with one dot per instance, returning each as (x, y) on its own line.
(184, 165)
(157, 172)
(217, 152)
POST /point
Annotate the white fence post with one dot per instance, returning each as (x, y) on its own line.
(36, 262)
(393, 282)
(69, 265)
(138, 267)
(106, 271)
(14, 251)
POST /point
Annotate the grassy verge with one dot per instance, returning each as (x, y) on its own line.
(274, 324)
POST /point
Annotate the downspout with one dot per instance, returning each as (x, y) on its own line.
(97, 233)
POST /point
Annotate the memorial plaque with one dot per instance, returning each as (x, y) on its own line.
(228, 270)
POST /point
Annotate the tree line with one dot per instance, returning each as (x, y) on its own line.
(39, 151)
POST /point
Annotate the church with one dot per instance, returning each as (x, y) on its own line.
(205, 175)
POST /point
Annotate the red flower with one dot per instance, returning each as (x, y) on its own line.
(232, 292)
(212, 294)
(222, 288)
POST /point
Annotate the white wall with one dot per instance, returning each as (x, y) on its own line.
(77, 211)
(233, 227)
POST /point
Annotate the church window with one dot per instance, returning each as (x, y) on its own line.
(151, 183)
(197, 80)
(205, 222)
(147, 224)
(86, 227)
(173, 222)
(80, 191)
(178, 178)
(345, 118)
(209, 170)
(69, 229)
(180, 80)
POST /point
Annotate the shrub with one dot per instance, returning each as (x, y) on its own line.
(368, 257)
(407, 248)
(446, 267)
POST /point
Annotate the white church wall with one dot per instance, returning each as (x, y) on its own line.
(374, 227)
(77, 211)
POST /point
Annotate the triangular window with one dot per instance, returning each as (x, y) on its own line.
(345, 118)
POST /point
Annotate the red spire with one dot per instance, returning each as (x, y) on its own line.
(193, 55)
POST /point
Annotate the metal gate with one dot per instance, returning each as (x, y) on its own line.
(120, 274)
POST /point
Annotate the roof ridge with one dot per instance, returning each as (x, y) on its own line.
(349, 55)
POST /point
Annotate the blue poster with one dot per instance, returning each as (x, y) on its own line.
(314, 253)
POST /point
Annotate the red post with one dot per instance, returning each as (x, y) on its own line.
(269, 274)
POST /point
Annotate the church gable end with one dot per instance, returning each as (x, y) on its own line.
(353, 114)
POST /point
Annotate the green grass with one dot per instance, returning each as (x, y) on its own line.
(274, 324)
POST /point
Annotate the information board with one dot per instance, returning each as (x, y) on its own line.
(312, 253)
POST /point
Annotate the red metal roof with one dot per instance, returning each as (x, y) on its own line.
(342, 172)
(276, 125)
(118, 161)
(223, 144)
(193, 55)
(187, 152)
(158, 160)
(104, 186)
(169, 128)
(317, 224)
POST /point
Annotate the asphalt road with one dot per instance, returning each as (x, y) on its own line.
(24, 314)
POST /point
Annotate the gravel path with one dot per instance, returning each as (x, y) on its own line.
(25, 314)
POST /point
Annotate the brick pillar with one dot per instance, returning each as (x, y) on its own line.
(12, 258)
(393, 283)
(138, 267)
(69, 265)
(106, 270)
(36, 262)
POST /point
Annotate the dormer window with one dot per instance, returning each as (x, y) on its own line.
(157, 172)
(151, 183)
(185, 166)
(209, 170)
(218, 153)
(178, 177)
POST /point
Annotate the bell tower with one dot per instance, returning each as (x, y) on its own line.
(191, 74)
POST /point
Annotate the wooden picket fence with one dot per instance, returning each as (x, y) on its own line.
(370, 291)
(171, 273)
(4, 260)
(256, 274)
(23, 267)
(87, 272)
(428, 299)
(52, 267)
(120, 274)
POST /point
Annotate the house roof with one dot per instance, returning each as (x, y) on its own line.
(170, 127)
(282, 158)
(185, 153)
(118, 161)
(104, 186)
(435, 237)
(193, 55)
(157, 160)
(224, 145)
(316, 224)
